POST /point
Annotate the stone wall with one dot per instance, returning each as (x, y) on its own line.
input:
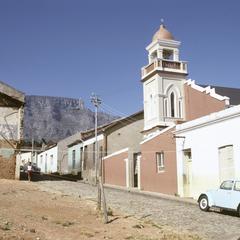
(8, 165)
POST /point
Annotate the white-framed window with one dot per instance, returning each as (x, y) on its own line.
(160, 162)
(168, 54)
(172, 105)
(173, 102)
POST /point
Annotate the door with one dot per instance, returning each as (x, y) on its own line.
(136, 170)
(226, 163)
(223, 195)
(46, 163)
(187, 173)
(235, 196)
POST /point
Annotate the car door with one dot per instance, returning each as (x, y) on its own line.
(235, 196)
(223, 195)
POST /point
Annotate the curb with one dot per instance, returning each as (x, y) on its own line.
(152, 194)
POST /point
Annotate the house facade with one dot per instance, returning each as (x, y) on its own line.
(26, 157)
(81, 155)
(11, 130)
(48, 160)
(115, 140)
(208, 151)
(62, 147)
(122, 151)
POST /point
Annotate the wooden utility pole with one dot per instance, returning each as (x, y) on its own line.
(96, 101)
(102, 198)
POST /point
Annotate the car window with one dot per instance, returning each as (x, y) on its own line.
(227, 185)
(237, 186)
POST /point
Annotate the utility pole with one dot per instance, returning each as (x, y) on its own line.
(96, 101)
(32, 149)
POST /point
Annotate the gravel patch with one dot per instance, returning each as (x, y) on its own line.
(179, 215)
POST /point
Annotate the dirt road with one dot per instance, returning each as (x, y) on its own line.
(29, 212)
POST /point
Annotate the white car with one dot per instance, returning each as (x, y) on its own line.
(226, 197)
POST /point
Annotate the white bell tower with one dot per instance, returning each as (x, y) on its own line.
(163, 80)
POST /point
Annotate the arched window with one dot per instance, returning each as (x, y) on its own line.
(172, 104)
(153, 56)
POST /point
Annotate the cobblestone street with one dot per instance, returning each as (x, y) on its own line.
(180, 215)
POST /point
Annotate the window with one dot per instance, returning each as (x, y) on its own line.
(73, 159)
(167, 54)
(51, 159)
(41, 159)
(153, 56)
(237, 186)
(160, 161)
(85, 157)
(81, 157)
(172, 101)
(227, 185)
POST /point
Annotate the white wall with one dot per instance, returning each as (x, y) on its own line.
(27, 157)
(204, 136)
(47, 160)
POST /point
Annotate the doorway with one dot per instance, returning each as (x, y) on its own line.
(136, 170)
(226, 163)
(187, 173)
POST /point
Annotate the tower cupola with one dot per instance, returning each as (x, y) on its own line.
(162, 34)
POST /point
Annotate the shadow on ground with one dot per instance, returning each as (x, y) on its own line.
(50, 177)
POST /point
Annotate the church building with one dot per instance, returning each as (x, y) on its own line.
(169, 99)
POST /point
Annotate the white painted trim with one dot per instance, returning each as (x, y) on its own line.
(207, 90)
(139, 171)
(164, 43)
(127, 172)
(92, 140)
(116, 153)
(172, 87)
(158, 133)
(212, 118)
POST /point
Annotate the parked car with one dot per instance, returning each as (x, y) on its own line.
(226, 197)
(35, 168)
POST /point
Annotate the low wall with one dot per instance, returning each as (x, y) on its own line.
(7, 167)
(114, 169)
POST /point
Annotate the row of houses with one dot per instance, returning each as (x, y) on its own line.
(182, 159)
(183, 142)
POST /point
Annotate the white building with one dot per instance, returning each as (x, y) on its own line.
(26, 157)
(47, 160)
(208, 151)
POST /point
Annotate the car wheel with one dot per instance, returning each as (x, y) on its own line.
(238, 210)
(203, 203)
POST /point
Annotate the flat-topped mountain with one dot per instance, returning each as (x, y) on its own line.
(54, 118)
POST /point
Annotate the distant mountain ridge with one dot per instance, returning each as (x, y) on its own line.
(55, 118)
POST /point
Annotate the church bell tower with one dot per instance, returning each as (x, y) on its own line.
(163, 80)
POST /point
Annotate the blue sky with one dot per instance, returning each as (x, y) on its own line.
(72, 48)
